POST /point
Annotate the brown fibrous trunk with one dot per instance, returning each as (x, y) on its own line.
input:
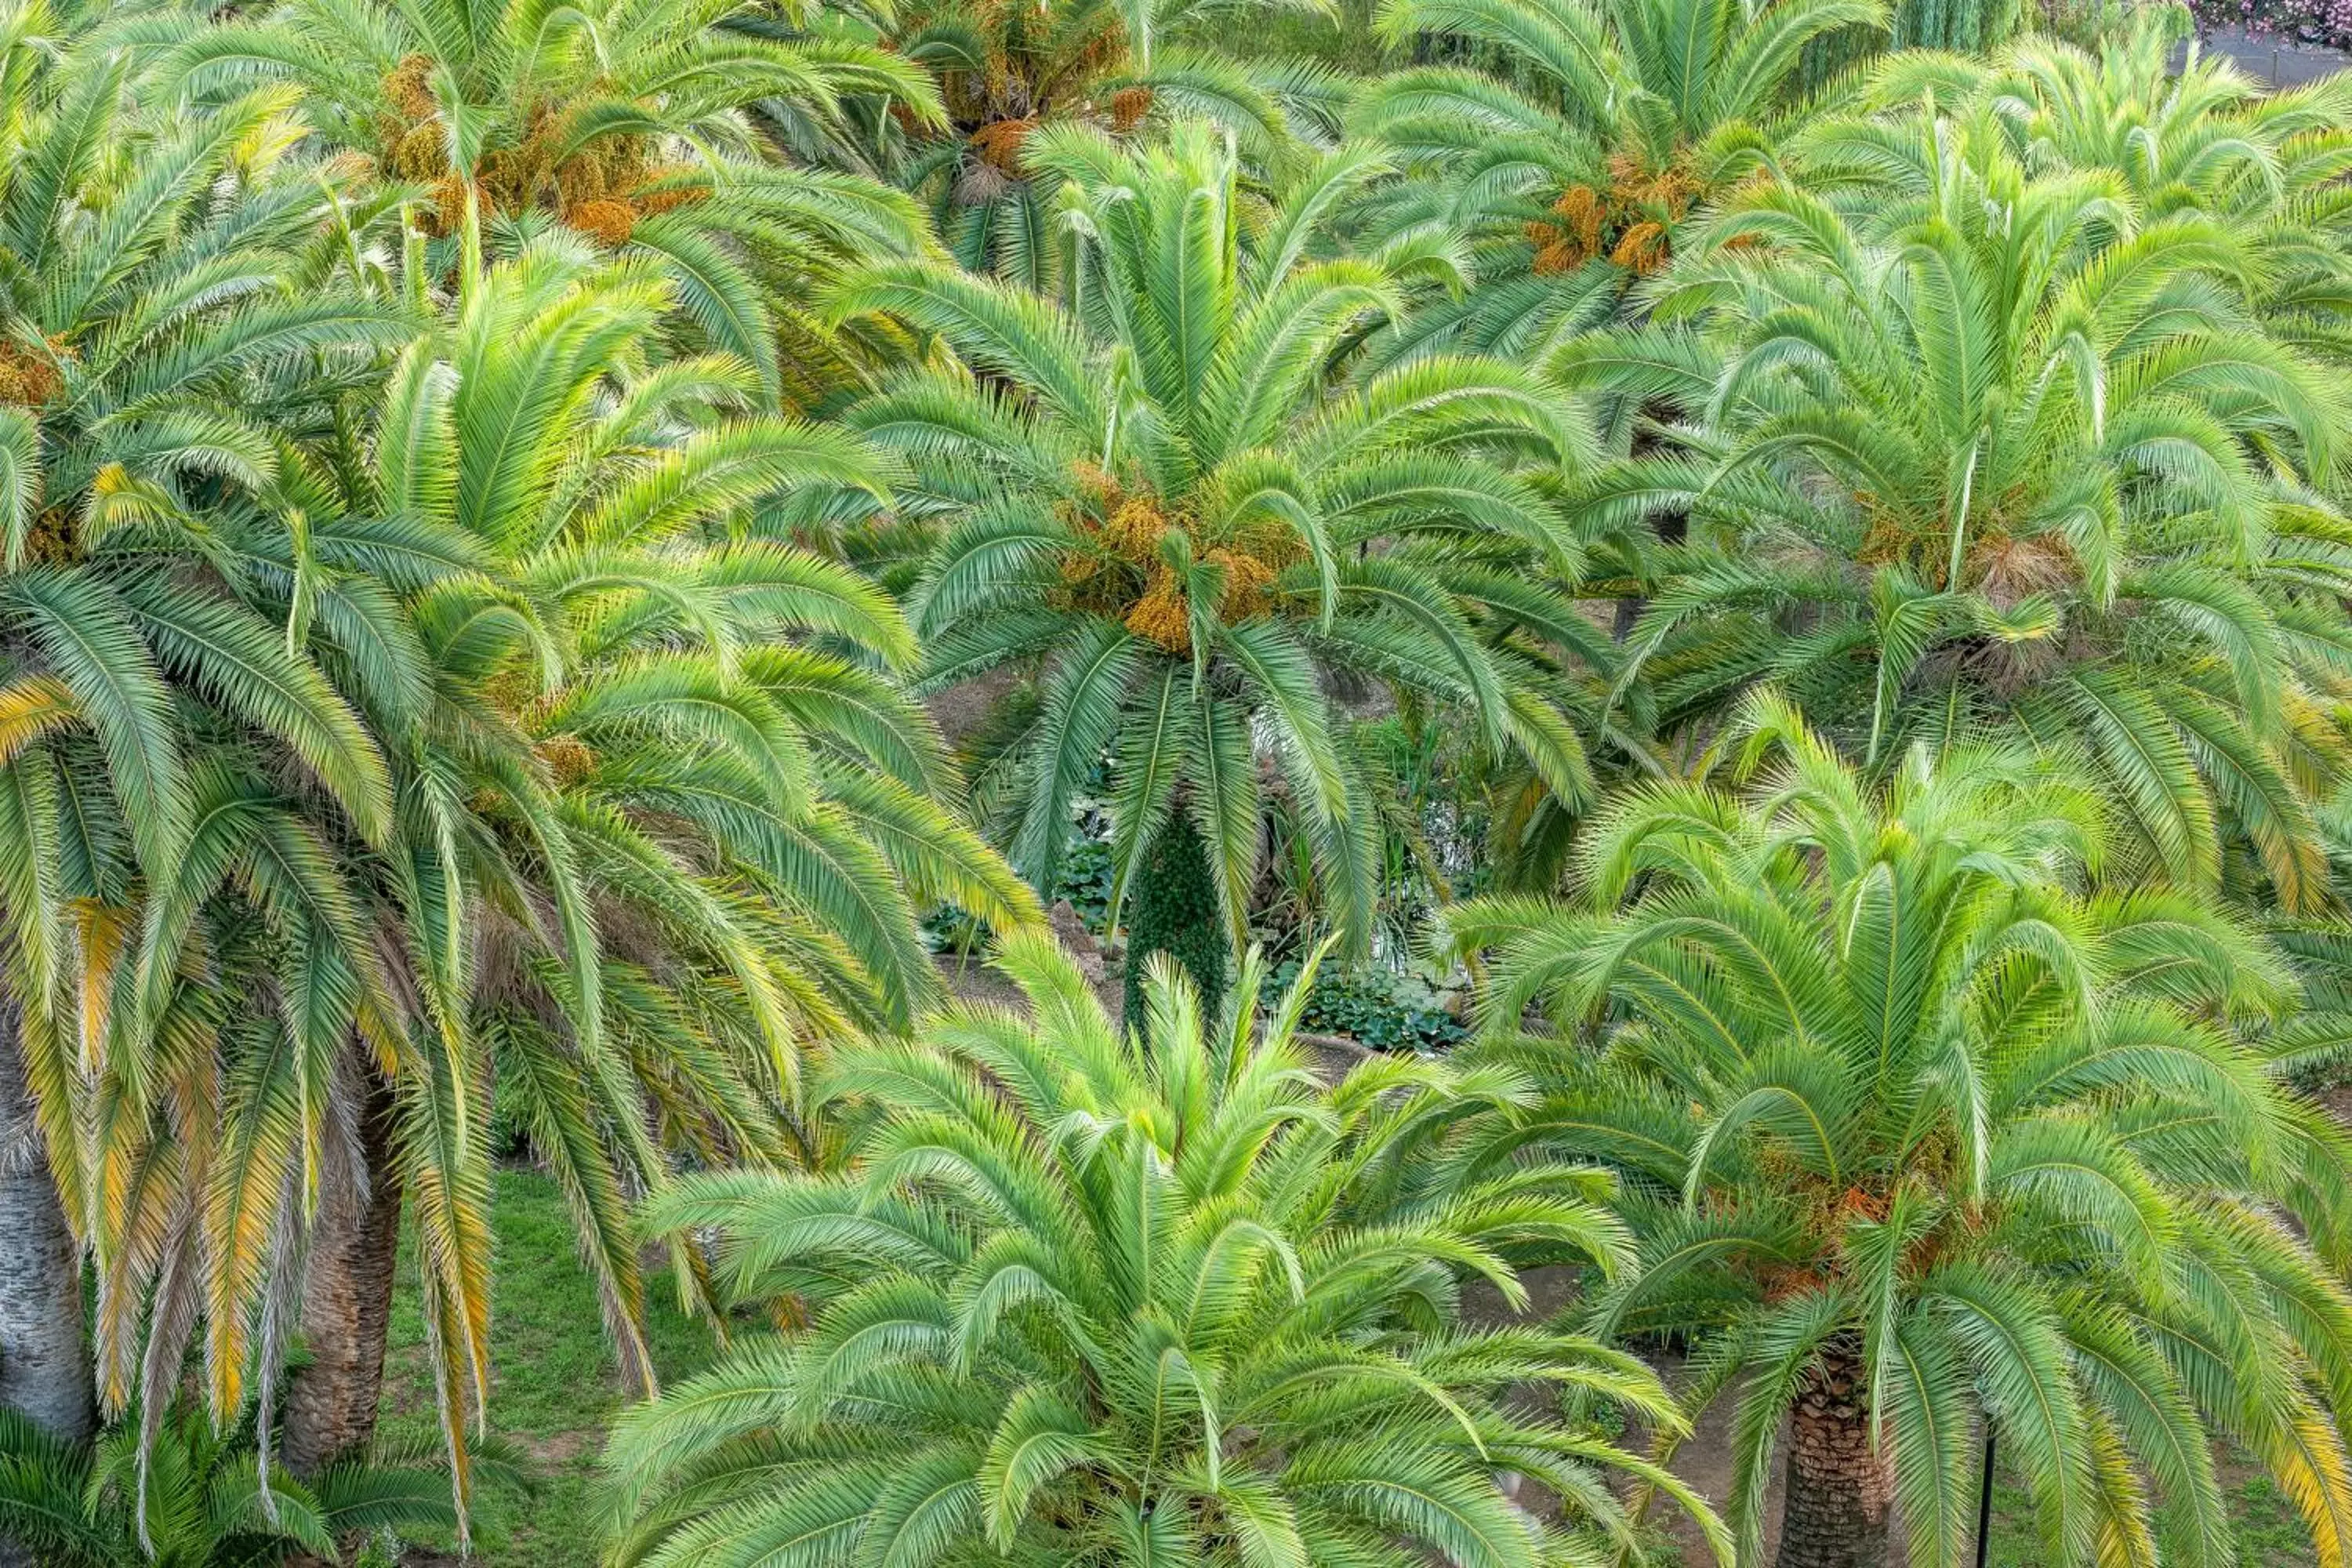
(1841, 1489)
(331, 1403)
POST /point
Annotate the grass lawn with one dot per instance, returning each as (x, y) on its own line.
(555, 1388)
(2269, 1532)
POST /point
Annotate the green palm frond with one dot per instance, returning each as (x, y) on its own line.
(1203, 1286)
(1929, 1140)
(1151, 499)
(2027, 469)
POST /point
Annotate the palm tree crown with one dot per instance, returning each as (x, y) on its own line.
(666, 821)
(2007, 447)
(195, 1501)
(689, 820)
(631, 122)
(1919, 1136)
(1602, 130)
(1160, 503)
(2202, 140)
(1004, 70)
(1087, 1304)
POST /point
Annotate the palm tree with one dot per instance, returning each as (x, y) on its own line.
(629, 121)
(1158, 505)
(668, 823)
(1004, 70)
(1580, 159)
(1997, 445)
(1924, 1138)
(1086, 1303)
(171, 320)
(192, 1501)
(2202, 140)
(664, 821)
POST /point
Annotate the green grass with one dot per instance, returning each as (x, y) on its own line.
(555, 1387)
(2269, 1532)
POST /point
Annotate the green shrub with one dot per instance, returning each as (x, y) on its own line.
(1376, 1007)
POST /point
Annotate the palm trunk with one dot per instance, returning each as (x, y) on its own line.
(46, 1372)
(330, 1403)
(45, 1363)
(1839, 1485)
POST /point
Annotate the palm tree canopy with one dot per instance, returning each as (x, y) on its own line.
(2204, 139)
(1658, 77)
(192, 1501)
(633, 122)
(2012, 448)
(1160, 501)
(1581, 157)
(666, 821)
(1884, 1082)
(1085, 1302)
(1127, 69)
(702, 666)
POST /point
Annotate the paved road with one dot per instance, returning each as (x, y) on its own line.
(2272, 61)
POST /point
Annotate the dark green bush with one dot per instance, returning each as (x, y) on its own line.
(1376, 1007)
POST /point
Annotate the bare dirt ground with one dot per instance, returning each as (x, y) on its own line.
(970, 979)
(961, 710)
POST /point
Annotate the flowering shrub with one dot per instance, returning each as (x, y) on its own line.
(2327, 22)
